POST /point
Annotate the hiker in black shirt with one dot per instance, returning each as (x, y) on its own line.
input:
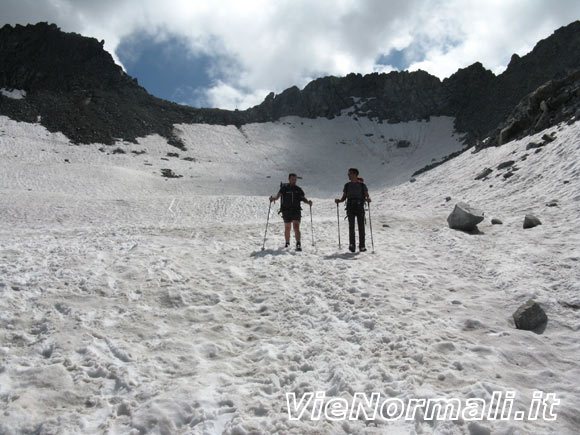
(355, 193)
(292, 196)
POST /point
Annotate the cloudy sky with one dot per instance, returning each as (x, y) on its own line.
(232, 53)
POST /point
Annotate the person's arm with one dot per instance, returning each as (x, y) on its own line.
(366, 192)
(341, 199)
(275, 197)
(304, 198)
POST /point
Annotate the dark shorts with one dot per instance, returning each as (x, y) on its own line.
(291, 215)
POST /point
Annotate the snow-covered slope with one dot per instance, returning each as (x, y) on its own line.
(134, 304)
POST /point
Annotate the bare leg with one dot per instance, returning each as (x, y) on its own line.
(287, 227)
(296, 225)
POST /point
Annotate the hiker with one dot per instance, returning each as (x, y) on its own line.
(292, 196)
(355, 193)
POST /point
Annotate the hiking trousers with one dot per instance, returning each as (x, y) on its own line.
(359, 215)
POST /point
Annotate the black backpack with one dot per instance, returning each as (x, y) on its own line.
(356, 204)
(291, 196)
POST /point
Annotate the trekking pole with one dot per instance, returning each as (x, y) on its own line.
(371, 227)
(311, 226)
(267, 221)
(338, 220)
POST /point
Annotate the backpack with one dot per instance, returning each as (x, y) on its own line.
(291, 196)
(356, 205)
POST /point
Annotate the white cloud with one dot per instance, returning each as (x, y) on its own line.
(226, 96)
(266, 45)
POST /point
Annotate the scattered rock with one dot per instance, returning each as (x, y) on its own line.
(403, 144)
(572, 304)
(484, 174)
(533, 145)
(496, 221)
(478, 429)
(529, 316)
(508, 175)
(168, 173)
(531, 221)
(472, 324)
(412, 180)
(548, 138)
(447, 198)
(464, 217)
(505, 165)
(553, 203)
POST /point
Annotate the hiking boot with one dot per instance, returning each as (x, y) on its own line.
(287, 244)
(351, 248)
(362, 249)
(298, 246)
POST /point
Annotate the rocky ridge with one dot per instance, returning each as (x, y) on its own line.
(73, 86)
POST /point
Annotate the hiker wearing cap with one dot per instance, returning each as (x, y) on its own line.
(292, 195)
(355, 193)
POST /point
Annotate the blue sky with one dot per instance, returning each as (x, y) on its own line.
(166, 68)
(231, 54)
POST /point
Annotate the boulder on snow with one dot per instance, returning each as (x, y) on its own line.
(496, 221)
(464, 217)
(549, 138)
(505, 165)
(529, 316)
(531, 221)
(533, 145)
(484, 173)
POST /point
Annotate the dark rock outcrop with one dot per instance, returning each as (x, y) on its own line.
(553, 102)
(75, 87)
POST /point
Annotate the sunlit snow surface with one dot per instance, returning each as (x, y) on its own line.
(132, 303)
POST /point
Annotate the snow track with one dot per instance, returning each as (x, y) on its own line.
(137, 308)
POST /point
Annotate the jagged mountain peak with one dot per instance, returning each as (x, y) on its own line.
(75, 87)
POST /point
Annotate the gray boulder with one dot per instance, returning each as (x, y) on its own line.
(533, 145)
(496, 221)
(464, 217)
(505, 165)
(529, 316)
(483, 174)
(549, 138)
(531, 221)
